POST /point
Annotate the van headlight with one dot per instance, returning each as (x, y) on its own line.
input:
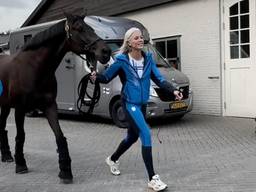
(152, 92)
(190, 90)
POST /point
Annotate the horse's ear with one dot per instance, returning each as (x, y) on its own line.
(69, 16)
(83, 16)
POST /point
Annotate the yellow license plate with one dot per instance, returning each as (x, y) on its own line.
(178, 105)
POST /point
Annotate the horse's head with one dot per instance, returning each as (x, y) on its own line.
(83, 40)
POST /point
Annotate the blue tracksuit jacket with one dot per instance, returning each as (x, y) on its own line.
(135, 90)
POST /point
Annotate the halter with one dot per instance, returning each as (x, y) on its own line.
(69, 35)
(87, 47)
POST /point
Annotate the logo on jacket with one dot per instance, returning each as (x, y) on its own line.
(133, 108)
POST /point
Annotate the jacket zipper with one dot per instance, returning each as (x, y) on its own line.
(141, 91)
(138, 78)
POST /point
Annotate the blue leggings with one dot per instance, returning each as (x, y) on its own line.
(137, 128)
(137, 124)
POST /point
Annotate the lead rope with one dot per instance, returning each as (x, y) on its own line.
(82, 89)
(82, 92)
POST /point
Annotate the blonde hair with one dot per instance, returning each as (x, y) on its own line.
(125, 48)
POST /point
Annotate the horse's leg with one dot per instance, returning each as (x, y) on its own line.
(65, 173)
(4, 145)
(20, 161)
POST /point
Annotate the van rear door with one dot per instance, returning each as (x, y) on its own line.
(65, 75)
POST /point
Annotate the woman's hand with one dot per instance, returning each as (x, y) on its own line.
(178, 95)
(93, 76)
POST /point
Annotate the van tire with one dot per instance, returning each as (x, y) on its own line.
(118, 115)
(178, 117)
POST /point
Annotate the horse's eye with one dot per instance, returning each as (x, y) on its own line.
(78, 27)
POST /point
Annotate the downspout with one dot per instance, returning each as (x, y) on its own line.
(222, 56)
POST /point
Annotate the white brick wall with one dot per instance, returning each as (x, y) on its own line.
(198, 23)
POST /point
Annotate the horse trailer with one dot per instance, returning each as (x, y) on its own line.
(73, 68)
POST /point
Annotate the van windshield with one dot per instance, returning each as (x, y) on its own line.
(160, 62)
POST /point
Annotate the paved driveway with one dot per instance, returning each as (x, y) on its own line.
(199, 154)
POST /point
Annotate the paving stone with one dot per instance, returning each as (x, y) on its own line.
(200, 153)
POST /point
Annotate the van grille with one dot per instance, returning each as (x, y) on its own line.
(165, 96)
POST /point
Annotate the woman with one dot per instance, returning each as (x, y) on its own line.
(135, 69)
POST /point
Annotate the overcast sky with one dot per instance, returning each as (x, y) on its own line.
(13, 13)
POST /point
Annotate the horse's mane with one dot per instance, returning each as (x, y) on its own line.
(45, 36)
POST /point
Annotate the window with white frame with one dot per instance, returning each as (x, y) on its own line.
(27, 38)
(169, 48)
(239, 30)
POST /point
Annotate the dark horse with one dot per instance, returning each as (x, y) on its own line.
(27, 81)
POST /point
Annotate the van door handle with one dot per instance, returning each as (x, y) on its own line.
(213, 77)
(70, 66)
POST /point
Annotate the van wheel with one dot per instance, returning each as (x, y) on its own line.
(178, 117)
(118, 115)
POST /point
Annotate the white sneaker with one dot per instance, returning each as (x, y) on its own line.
(156, 184)
(113, 166)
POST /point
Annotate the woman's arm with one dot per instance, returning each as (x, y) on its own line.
(160, 81)
(108, 74)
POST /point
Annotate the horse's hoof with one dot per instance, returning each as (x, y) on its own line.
(7, 158)
(21, 169)
(66, 181)
(66, 177)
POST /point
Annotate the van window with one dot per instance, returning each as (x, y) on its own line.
(160, 61)
(114, 46)
(27, 38)
(169, 48)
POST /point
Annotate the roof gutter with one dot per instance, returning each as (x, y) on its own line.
(37, 13)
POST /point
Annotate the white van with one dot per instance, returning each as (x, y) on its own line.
(73, 69)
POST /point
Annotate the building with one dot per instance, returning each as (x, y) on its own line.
(4, 46)
(212, 41)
